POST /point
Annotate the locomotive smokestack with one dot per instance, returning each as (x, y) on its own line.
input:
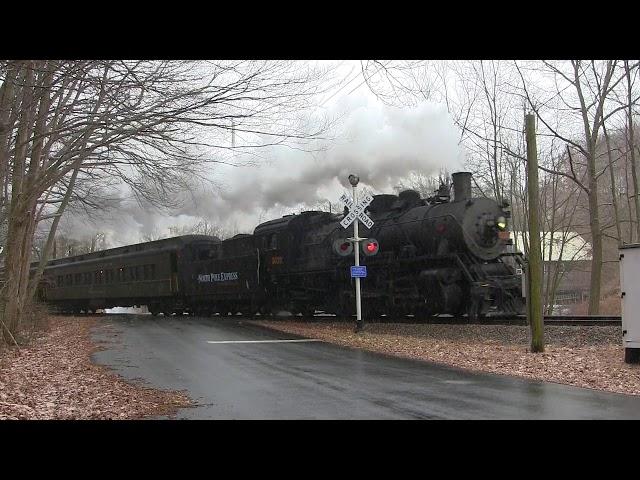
(461, 186)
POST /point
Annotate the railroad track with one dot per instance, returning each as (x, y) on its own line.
(575, 320)
(570, 320)
(582, 319)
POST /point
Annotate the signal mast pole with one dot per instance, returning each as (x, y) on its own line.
(356, 214)
(356, 251)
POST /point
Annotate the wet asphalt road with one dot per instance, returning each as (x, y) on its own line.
(316, 380)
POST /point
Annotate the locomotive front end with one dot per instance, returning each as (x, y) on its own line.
(483, 222)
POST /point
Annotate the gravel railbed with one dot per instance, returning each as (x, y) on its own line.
(583, 356)
(53, 377)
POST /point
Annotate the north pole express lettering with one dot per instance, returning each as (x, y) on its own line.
(218, 277)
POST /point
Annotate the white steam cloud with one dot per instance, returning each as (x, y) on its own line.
(382, 144)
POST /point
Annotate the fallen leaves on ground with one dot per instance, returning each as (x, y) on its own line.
(53, 377)
(583, 356)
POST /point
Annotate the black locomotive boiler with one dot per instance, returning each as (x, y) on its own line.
(434, 256)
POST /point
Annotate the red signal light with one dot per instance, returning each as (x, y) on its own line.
(370, 247)
(342, 248)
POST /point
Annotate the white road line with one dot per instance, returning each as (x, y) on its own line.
(266, 341)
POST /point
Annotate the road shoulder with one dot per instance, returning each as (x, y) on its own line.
(587, 357)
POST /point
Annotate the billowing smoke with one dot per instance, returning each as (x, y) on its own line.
(381, 144)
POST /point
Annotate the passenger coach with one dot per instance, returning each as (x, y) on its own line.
(172, 275)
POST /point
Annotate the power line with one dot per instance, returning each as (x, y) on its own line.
(351, 81)
(365, 80)
(341, 88)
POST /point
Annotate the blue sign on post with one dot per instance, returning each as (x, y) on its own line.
(359, 272)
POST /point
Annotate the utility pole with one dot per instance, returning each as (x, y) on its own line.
(534, 266)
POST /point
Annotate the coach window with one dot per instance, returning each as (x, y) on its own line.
(60, 280)
(68, 279)
(152, 271)
(138, 272)
(78, 279)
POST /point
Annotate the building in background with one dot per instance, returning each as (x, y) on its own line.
(566, 261)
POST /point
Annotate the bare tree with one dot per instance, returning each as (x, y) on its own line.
(205, 227)
(581, 93)
(154, 125)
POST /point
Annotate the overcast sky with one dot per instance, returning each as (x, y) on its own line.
(381, 144)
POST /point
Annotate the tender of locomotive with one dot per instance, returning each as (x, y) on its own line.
(435, 256)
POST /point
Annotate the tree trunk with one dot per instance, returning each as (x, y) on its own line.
(51, 243)
(12, 310)
(614, 199)
(596, 243)
(631, 145)
(19, 222)
(549, 294)
(7, 94)
(629, 205)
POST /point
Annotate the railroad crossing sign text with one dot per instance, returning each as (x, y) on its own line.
(357, 211)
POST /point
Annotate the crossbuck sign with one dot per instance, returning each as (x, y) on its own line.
(357, 212)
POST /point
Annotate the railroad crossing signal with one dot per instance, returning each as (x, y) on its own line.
(370, 247)
(357, 211)
(343, 247)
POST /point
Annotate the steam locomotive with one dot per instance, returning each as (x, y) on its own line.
(433, 255)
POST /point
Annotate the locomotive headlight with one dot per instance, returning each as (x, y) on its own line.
(502, 223)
